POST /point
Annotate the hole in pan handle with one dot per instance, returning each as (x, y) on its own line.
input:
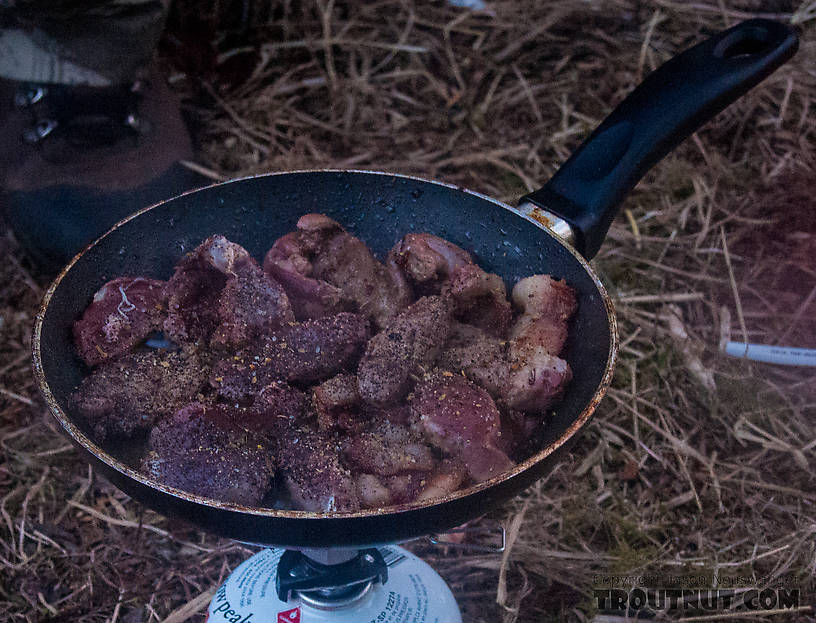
(670, 104)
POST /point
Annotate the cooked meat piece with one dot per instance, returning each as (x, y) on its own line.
(399, 414)
(337, 403)
(544, 297)
(534, 332)
(449, 476)
(311, 298)
(346, 262)
(123, 312)
(428, 261)
(372, 492)
(312, 473)
(191, 291)
(537, 376)
(462, 419)
(536, 379)
(411, 341)
(205, 450)
(277, 407)
(434, 265)
(377, 491)
(482, 357)
(248, 303)
(301, 353)
(387, 450)
(480, 299)
(404, 488)
(126, 396)
(546, 306)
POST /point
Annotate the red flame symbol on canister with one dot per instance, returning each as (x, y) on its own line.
(290, 616)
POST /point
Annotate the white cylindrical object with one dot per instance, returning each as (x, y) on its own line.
(414, 593)
(785, 355)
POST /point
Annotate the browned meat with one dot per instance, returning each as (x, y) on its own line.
(313, 474)
(301, 353)
(536, 380)
(446, 477)
(311, 298)
(546, 306)
(434, 265)
(462, 419)
(482, 357)
(219, 293)
(123, 312)
(315, 398)
(346, 263)
(126, 396)
(372, 491)
(411, 341)
(545, 297)
(449, 476)
(537, 376)
(377, 491)
(337, 403)
(205, 450)
(387, 450)
(480, 299)
(278, 407)
(428, 261)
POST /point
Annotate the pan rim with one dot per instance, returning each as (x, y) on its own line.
(261, 512)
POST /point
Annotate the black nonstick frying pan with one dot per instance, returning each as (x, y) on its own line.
(579, 202)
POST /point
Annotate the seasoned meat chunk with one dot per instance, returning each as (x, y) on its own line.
(545, 297)
(122, 314)
(205, 450)
(287, 263)
(126, 396)
(449, 476)
(428, 261)
(433, 265)
(337, 403)
(375, 491)
(300, 353)
(345, 262)
(546, 306)
(480, 299)
(411, 341)
(276, 408)
(248, 303)
(481, 357)
(537, 376)
(536, 379)
(462, 419)
(387, 450)
(313, 474)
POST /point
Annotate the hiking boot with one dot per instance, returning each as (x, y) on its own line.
(74, 160)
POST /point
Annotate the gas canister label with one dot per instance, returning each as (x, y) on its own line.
(290, 616)
(414, 593)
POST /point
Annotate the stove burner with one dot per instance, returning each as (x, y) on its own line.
(326, 584)
(264, 588)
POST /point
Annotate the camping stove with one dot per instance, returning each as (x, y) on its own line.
(376, 585)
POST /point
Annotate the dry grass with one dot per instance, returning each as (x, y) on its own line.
(695, 463)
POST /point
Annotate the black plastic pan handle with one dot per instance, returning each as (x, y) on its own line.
(670, 104)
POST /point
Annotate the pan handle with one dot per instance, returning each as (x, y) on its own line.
(670, 104)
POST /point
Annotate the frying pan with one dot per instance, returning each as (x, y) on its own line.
(579, 202)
